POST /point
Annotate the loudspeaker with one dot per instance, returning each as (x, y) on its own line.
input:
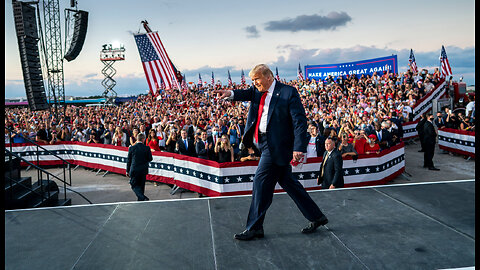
(79, 34)
(27, 38)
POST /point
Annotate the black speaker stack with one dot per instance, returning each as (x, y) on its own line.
(27, 37)
(79, 34)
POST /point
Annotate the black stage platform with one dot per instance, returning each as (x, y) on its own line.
(414, 226)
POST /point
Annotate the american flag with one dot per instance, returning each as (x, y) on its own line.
(184, 83)
(276, 74)
(242, 80)
(300, 75)
(156, 63)
(230, 83)
(413, 64)
(199, 80)
(213, 80)
(444, 64)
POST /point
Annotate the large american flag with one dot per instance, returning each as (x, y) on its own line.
(213, 80)
(413, 64)
(242, 79)
(200, 83)
(156, 63)
(444, 64)
(276, 74)
(300, 74)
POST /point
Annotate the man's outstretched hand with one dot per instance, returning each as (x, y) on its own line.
(222, 94)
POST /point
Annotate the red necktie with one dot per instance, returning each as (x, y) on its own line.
(260, 111)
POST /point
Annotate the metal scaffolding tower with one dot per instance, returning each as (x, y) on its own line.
(109, 56)
(54, 55)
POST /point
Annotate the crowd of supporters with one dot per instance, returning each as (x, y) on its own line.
(363, 115)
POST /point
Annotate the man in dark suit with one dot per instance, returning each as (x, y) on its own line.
(420, 130)
(429, 139)
(185, 145)
(139, 156)
(330, 175)
(277, 126)
(203, 146)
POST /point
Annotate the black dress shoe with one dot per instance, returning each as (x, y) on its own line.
(249, 235)
(315, 224)
(434, 169)
(421, 150)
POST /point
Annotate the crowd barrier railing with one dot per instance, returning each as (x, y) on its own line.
(216, 179)
(457, 141)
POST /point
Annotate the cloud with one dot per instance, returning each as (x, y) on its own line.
(252, 31)
(310, 22)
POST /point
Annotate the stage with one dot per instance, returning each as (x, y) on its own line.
(406, 226)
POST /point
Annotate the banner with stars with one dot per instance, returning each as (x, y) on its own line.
(457, 141)
(212, 178)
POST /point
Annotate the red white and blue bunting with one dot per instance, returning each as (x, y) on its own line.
(457, 141)
(212, 178)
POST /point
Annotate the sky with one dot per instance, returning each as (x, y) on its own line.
(221, 36)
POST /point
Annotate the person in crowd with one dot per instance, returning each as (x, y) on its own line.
(185, 145)
(469, 109)
(43, 134)
(216, 134)
(138, 159)
(224, 150)
(464, 122)
(78, 133)
(234, 135)
(430, 138)
(92, 137)
(162, 137)
(203, 147)
(372, 147)
(383, 136)
(316, 142)
(439, 121)
(345, 148)
(133, 138)
(171, 143)
(450, 119)
(119, 137)
(394, 132)
(107, 134)
(98, 132)
(359, 141)
(152, 140)
(247, 154)
(18, 136)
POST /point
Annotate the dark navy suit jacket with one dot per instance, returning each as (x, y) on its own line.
(286, 123)
(139, 156)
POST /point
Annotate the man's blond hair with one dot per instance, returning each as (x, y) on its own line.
(261, 68)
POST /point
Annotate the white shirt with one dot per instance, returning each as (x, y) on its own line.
(470, 106)
(312, 148)
(263, 120)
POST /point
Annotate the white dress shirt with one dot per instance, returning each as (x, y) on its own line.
(263, 121)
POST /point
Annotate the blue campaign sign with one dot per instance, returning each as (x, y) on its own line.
(367, 67)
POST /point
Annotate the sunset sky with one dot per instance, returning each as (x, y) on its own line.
(205, 36)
